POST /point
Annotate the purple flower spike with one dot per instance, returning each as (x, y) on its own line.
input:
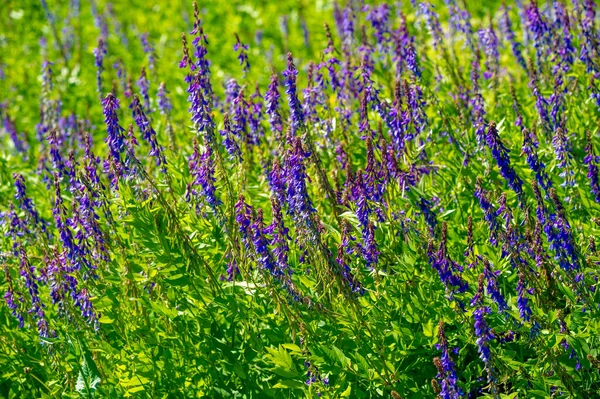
(501, 155)
(99, 53)
(243, 55)
(203, 171)
(149, 50)
(115, 138)
(298, 200)
(511, 37)
(143, 123)
(591, 160)
(229, 141)
(535, 164)
(522, 301)
(489, 42)
(272, 106)
(243, 218)
(164, 103)
(446, 376)
(448, 270)
(290, 74)
(562, 150)
(144, 86)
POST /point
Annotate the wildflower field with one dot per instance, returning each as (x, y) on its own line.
(299, 199)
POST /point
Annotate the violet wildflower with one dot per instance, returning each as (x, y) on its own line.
(359, 194)
(13, 299)
(460, 21)
(404, 52)
(144, 86)
(489, 42)
(60, 218)
(132, 164)
(260, 242)
(511, 37)
(535, 164)
(379, 17)
(347, 26)
(562, 150)
(280, 235)
(412, 63)
(277, 182)
(115, 137)
(201, 108)
(369, 247)
(85, 220)
(540, 101)
(311, 97)
(91, 163)
(538, 28)
(290, 74)
(186, 60)
(149, 50)
(416, 104)
(448, 270)
(17, 227)
(446, 376)
(305, 33)
(477, 103)
(26, 204)
(591, 160)
(148, 133)
(593, 88)
(255, 117)
(82, 300)
(426, 10)
(469, 250)
(364, 129)
(332, 65)
(121, 74)
(482, 330)
(522, 301)
(489, 212)
(589, 48)
(484, 335)
(397, 120)
(55, 152)
(229, 141)
(374, 186)
(557, 102)
(243, 218)
(272, 107)
(560, 236)
(37, 307)
(239, 117)
(200, 44)
(563, 46)
(164, 103)
(501, 155)
(232, 91)
(99, 53)
(517, 108)
(297, 197)
(18, 140)
(425, 207)
(492, 285)
(343, 249)
(243, 55)
(202, 170)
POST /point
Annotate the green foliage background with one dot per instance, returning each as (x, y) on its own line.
(194, 335)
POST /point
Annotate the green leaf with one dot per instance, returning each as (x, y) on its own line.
(88, 377)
